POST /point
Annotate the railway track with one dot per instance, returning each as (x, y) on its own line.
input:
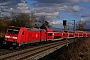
(33, 53)
(5, 51)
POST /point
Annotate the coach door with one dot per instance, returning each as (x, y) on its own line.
(50, 36)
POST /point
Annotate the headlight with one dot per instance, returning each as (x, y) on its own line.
(7, 36)
(14, 37)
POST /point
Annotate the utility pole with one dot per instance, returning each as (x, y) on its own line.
(74, 26)
(74, 29)
(11, 12)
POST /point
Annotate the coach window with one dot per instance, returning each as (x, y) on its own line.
(23, 33)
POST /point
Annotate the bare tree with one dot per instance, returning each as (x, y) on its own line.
(80, 25)
(44, 22)
(32, 20)
(3, 26)
(21, 19)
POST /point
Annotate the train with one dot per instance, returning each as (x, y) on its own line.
(18, 36)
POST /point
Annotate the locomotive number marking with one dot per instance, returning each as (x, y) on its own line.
(36, 35)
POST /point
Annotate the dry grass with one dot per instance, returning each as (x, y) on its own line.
(79, 50)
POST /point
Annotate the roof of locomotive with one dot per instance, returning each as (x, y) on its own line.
(37, 29)
(34, 29)
(14, 27)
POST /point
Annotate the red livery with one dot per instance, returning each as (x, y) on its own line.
(18, 36)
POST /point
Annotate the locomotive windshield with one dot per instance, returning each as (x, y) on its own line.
(13, 30)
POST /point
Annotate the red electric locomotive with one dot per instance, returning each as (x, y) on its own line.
(17, 36)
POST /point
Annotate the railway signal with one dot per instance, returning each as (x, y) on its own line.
(65, 30)
(64, 22)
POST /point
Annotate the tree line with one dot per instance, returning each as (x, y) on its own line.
(28, 20)
(22, 19)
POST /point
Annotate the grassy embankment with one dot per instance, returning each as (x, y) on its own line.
(79, 50)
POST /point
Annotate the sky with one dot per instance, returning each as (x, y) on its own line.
(55, 10)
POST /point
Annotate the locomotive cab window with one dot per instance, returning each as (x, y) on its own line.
(13, 30)
(49, 34)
